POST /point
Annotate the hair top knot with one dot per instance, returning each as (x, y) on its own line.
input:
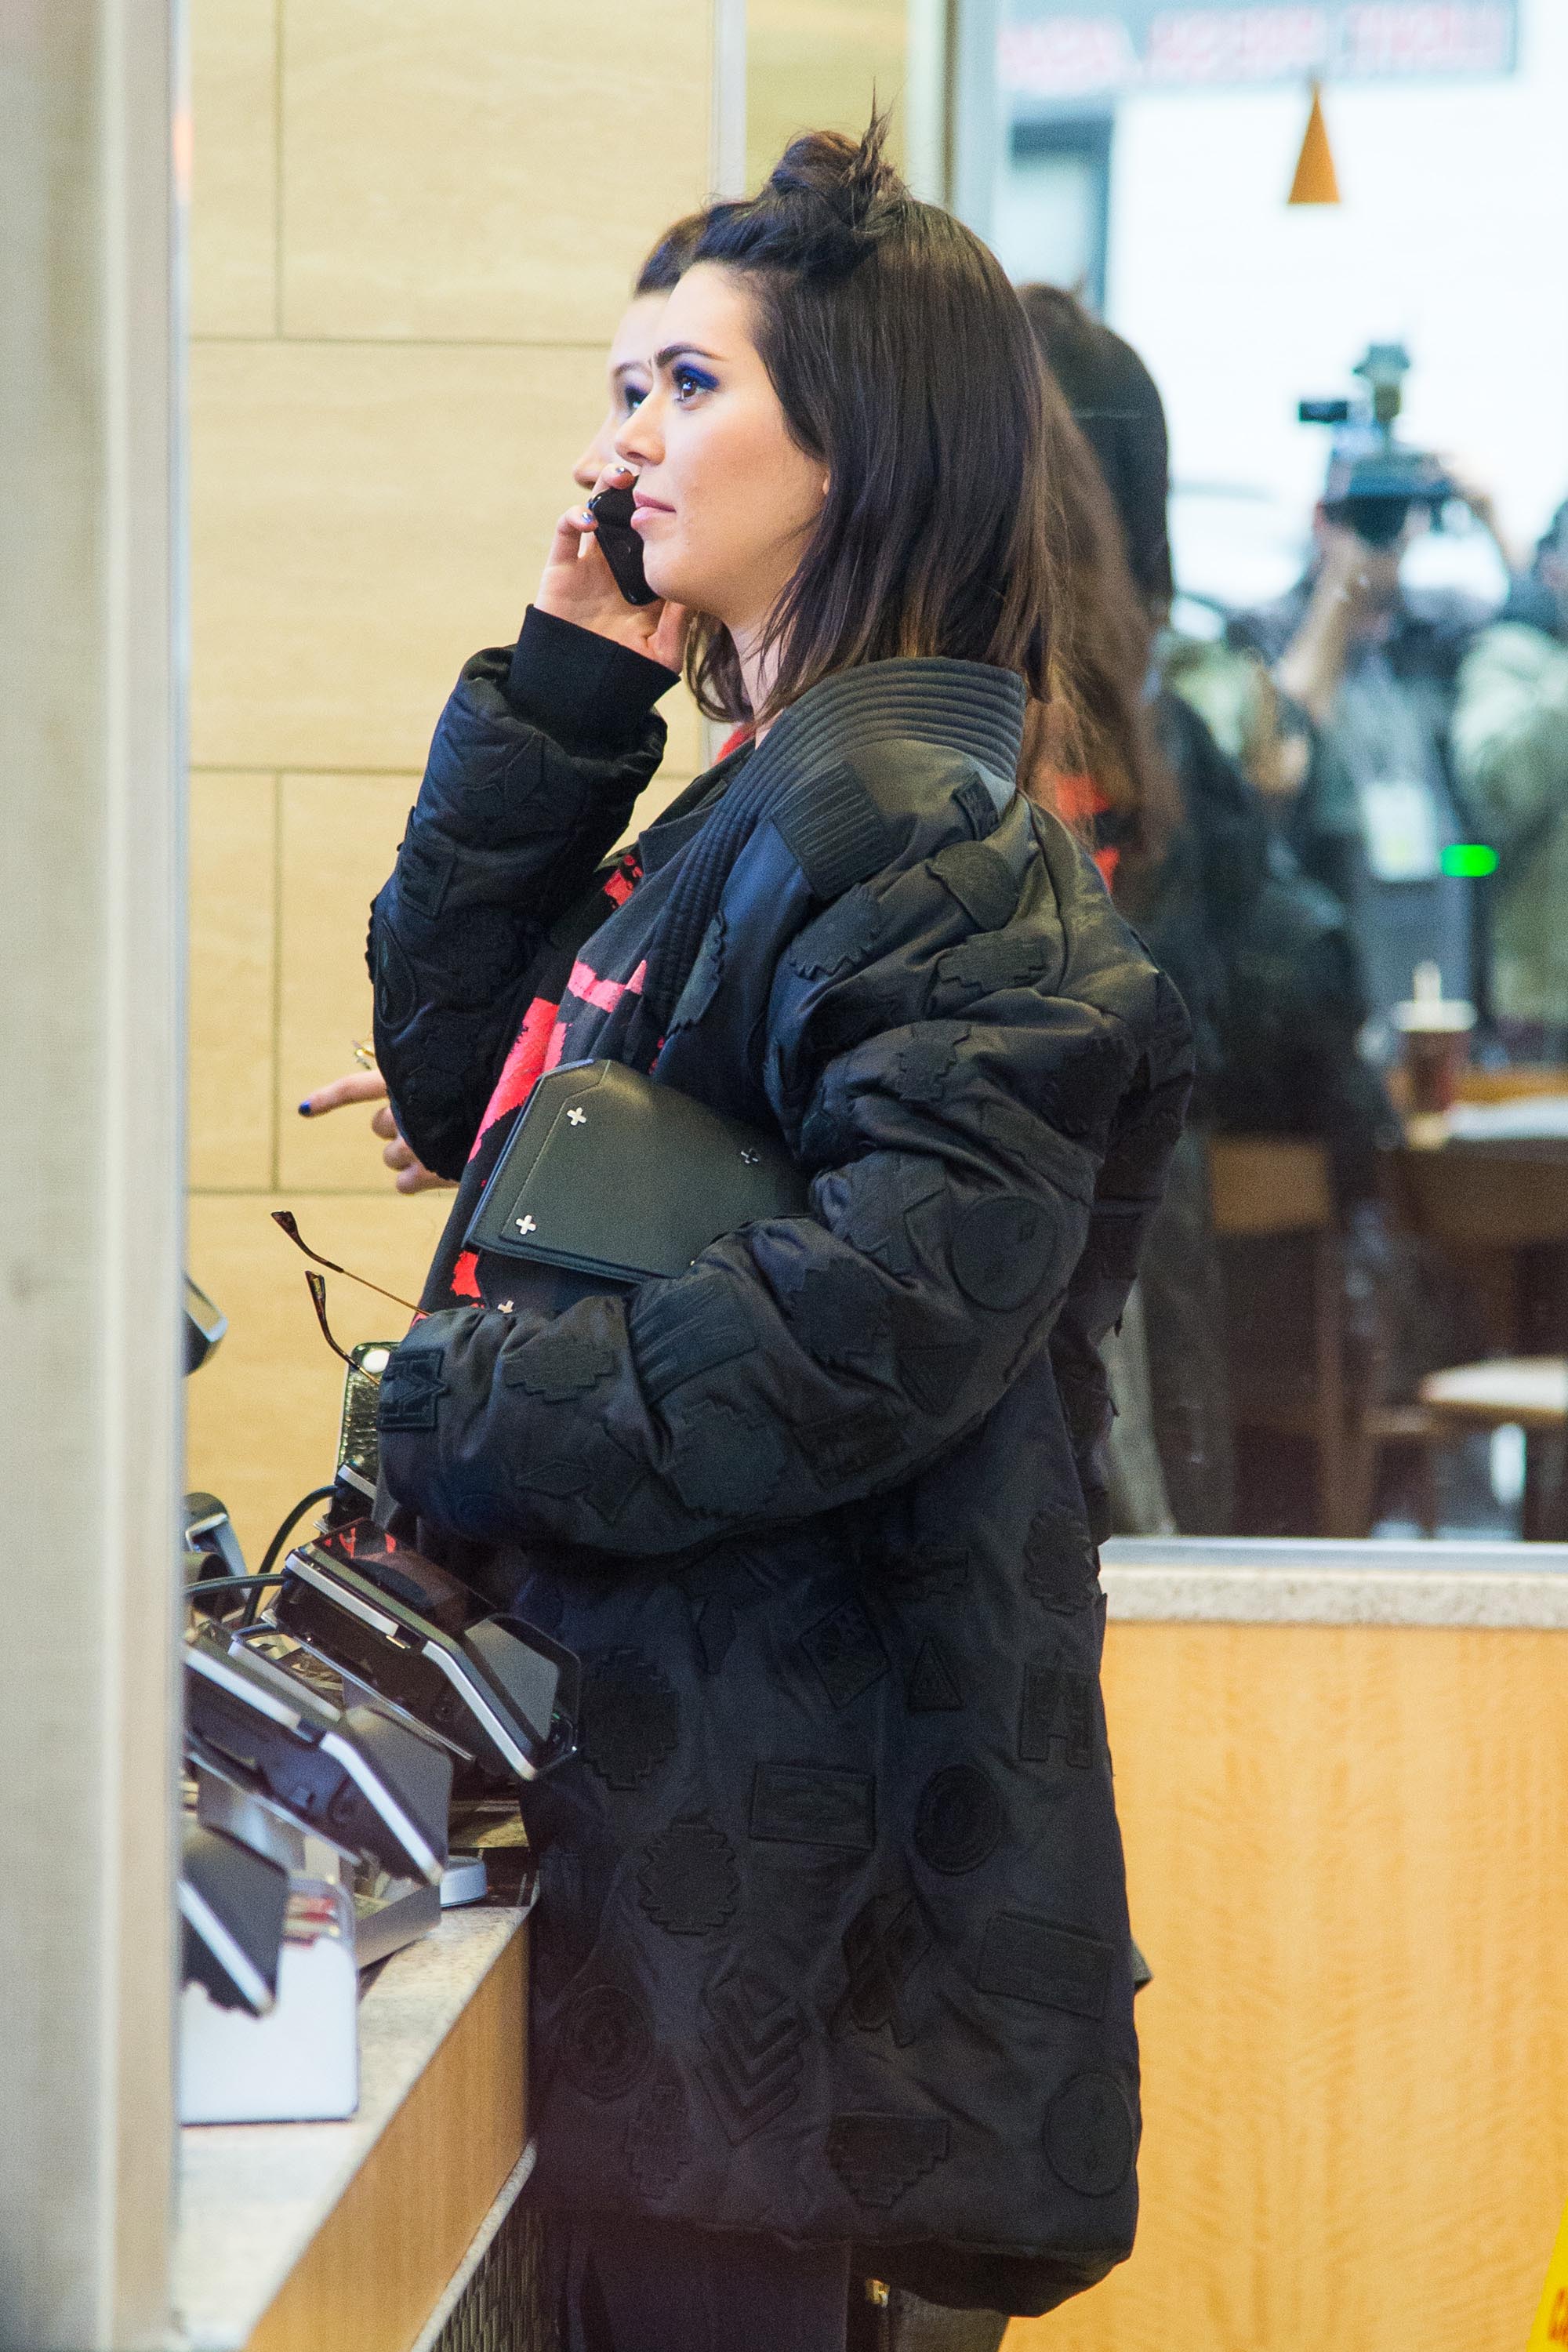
(821, 212)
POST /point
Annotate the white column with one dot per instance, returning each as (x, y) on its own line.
(727, 101)
(930, 52)
(979, 126)
(91, 953)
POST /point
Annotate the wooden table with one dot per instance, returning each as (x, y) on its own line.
(1496, 1204)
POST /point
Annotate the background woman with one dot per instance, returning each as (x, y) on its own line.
(833, 1966)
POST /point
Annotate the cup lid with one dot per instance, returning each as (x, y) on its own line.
(1427, 1012)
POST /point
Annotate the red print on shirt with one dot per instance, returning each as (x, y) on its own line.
(603, 993)
(522, 1066)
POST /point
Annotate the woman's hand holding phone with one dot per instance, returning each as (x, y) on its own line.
(579, 586)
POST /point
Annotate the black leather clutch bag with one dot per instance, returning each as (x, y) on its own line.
(609, 1174)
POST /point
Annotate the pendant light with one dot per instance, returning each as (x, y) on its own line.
(1316, 182)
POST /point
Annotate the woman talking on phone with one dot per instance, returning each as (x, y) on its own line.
(831, 1971)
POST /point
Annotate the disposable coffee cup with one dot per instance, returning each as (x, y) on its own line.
(1435, 1030)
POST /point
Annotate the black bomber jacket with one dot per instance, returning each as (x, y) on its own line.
(833, 1938)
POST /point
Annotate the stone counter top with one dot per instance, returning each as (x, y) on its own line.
(253, 2196)
(1247, 1581)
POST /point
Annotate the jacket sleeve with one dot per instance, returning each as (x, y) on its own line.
(1509, 731)
(536, 767)
(978, 1112)
(1128, 1191)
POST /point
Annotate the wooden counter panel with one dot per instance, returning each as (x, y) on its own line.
(383, 2259)
(1346, 1854)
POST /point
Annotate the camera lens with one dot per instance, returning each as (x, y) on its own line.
(1378, 521)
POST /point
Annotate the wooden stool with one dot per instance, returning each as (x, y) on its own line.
(1269, 1187)
(1528, 1391)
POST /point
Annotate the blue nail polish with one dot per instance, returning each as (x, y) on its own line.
(304, 1110)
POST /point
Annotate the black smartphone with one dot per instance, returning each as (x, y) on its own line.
(613, 510)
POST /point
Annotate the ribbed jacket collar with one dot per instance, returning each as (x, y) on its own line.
(962, 706)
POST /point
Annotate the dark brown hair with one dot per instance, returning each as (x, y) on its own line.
(900, 357)
(1098, 724)
(1116, 405)
(670, 258)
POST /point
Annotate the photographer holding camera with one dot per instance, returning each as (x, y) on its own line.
(1511, 751)
(1373, 665)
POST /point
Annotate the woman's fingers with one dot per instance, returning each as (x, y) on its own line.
(416, 1179)
(667, 643)
(574, 526)
(412, 1175)
(369, 1086)
(358, 1087)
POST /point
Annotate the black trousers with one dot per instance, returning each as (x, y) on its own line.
(654, 2286)
(621, 2285)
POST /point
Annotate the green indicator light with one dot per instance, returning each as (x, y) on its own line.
(1469, 857)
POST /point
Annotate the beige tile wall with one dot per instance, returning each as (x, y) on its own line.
(817, 65)
(413, 227)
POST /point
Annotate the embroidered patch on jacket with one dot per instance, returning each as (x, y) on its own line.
(1002, 960)
(868, 1004)
(883, 1945)
(928, 1064)
(753, 2060)
(424, 872)
(605, 2043)
(713, 1588)
(558, 1364)
(828, 1135)
(879, 2157)
(689, 1882)
(1002, 1247)
(838, 941)
(838, 1314)
(810, 1804)
(958, 1821)
(932, 1687)
(1089, 2134)
(661, 2141)
(1058, 1562)
(686, 1327)
(704, 978)
(411, 1389)
(1050, 1967)
(848, 1446)
(834, 830)
(617, 1473)
(846, 1651)
(630, 1720)
(887, 1191)
(1056, 1723)
(978, 803)
(725, 1464)
(925, 1572)
(982, 881)
(396, 989)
